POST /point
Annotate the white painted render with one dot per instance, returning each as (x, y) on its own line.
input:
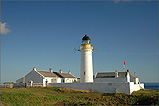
(105, 87)
(128, 77)
(47, 80)
(58, 80)
(136, 80)
(51, 79)
(135, 87)
(86, 73)
(70, 80)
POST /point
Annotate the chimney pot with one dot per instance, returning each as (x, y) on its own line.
(50, 69)
(116, 74)
(34, 68)
(60, 71)
(69, 72)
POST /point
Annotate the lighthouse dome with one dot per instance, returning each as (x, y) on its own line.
(86, 38)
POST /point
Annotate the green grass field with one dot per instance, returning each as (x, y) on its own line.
(65, 96)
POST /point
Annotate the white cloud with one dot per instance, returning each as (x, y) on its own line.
(3, 28)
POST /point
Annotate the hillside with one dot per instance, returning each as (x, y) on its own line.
(65, 96)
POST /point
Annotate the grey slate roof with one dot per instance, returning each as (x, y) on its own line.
(111, 75)
(105, 75)
(56, 74)
(64, 75)
(122, 74)
(47, 74)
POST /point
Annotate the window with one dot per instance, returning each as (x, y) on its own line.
(53, 81)
(109, 83)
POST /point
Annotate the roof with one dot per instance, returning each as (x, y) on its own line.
(47, 74)
(56, 74)
(86, 38)
(111, 75)
(105, 75)
(64, 75)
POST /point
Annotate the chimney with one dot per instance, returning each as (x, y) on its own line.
(50, 69)
(116, 74)
(34, 69)
(69, 72)
(60, 71)
(128, 76)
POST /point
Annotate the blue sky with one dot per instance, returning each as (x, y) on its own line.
(44, 35)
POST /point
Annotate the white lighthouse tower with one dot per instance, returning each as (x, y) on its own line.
(86, 74)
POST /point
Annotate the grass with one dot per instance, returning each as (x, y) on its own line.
(64, 96)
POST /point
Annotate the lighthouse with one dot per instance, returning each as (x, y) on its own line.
(86, 74)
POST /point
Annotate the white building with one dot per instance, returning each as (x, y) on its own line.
(37, 76)
(116, 77)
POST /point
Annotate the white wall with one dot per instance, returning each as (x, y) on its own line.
(46, 79)
(136, 80)
(58, 80)
(110, 79)
(70, 80)
(97, 87)
(142, 86)
(135, 87)
(51, 80)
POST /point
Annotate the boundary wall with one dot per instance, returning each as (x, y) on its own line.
(104, 87)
